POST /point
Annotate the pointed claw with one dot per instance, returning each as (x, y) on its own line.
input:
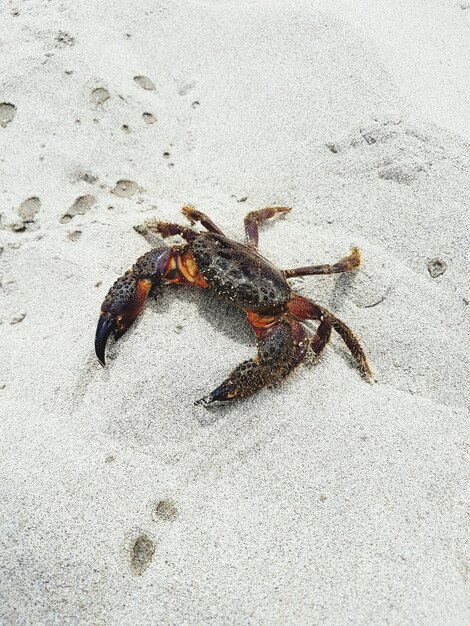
(105, 327)
(218, 397)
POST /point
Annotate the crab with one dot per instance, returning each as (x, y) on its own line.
(238, 273)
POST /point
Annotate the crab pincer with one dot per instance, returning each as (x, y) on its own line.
(239, 274)
(126, 298)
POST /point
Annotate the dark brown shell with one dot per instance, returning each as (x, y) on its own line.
(240, 274)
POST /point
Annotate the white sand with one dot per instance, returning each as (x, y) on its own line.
(326, 500)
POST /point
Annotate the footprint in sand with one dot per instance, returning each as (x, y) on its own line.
(145, 83)
(18, 319)
(142, 550)
(75, 235)
(99, 96)
(81, 205)
(165, 510)
(126, 188)
(149, 118)
(29, 209)
(7, 113)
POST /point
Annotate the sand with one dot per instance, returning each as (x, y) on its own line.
(325, 500)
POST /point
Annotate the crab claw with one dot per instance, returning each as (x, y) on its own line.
(119, 310)
(105, 327)
(218, 397)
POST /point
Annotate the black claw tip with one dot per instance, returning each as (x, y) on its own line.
(103, 330)
(217, 398)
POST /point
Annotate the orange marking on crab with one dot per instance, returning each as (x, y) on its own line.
(143, 287)
(259, 322)
(187, 267)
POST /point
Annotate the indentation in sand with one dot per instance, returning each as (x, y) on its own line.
(99, 96)
(87, 178)
(165, 510)
(7, 113)
(18, 318)
(28, 209)
(404, 172)
(436, 267)
(145, 83)
(125, 188)
(185, 88)
(142, 551)
(149, 118)
(63, 40)
(74, 235)
(81, 205)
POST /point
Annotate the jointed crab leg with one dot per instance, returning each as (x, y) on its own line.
(321, 337)
(254, 218)
(303, 309)
(281, 348)
(166, 229)
(346, 264)
(193, 215)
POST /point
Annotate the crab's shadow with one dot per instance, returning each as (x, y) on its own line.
(221, 315)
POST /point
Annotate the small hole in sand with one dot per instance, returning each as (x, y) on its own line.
(125, 128)
(195, 104)
(145, 83)
(436, 267)
(7, 113)
(166, 155)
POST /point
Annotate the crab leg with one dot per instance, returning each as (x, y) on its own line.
(346, 264)
(281, 347)
(193, 215)
(321, 337)
(165, 229)
(254, 218)
(303, 309)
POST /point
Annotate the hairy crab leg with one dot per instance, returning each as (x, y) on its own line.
(254, 218)
(346, 264)
(303, 309)
(165, 229)
(281, 347)
(321, 337)
(193, 215)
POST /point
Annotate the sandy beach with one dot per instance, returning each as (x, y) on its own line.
(325, 500)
